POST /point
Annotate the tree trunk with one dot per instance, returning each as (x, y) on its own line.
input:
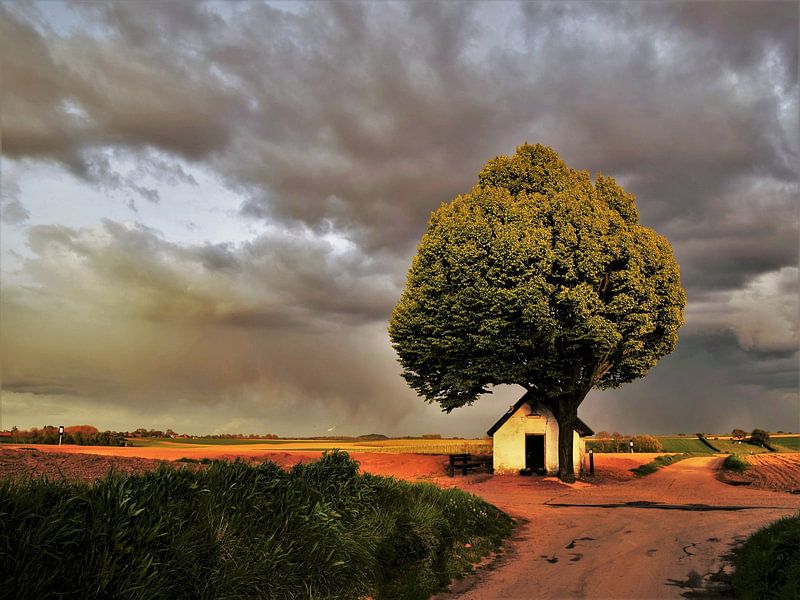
(566, 414)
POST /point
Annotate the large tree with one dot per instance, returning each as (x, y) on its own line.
(541, 278)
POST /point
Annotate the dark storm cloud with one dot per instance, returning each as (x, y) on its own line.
(148, 323)
(359, 119)
(279, 279)
(67, 97)
(368, 116)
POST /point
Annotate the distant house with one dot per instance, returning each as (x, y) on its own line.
(527, 437)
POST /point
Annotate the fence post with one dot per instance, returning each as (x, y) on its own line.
(591, 462)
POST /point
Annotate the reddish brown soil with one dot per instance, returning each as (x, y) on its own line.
(661, 536)
(779, 472)
(91, 462)
(31, 462)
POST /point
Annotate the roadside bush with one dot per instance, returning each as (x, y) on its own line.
(646, 443)
(735, 464)
(232, 531)
(768, 564)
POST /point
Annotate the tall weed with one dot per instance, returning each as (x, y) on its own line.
(320, 530)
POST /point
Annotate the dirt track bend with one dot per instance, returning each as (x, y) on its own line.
(662, 536)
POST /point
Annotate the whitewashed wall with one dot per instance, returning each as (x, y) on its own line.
(509, 441)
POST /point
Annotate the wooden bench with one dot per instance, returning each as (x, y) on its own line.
(466, 463)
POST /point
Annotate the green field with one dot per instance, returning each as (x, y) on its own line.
(683, 444)
(791, 443)
(731, 447)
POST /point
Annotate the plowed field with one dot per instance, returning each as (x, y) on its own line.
(776, 471)
(779, 472)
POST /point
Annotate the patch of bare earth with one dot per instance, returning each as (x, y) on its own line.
(31, 462)
(617, 466)
(776, 472)
(90, 462)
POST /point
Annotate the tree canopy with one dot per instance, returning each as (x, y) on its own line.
(537, 277)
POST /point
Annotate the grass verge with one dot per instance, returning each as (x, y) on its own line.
(768, 564)
(661, 461)
(319, 530)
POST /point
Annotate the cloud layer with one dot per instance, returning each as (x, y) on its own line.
(340, 127)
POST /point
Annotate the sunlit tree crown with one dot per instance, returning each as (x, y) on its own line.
(538, 277)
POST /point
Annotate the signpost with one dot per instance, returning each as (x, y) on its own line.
(60, 433)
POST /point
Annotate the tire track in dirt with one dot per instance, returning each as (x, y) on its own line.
(662, 536)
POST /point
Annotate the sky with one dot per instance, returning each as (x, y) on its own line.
(209, 210)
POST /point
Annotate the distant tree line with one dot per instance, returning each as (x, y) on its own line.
(79, 435)
(169, 433)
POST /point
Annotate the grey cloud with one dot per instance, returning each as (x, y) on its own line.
(65, 97)
(287, 278)
(12, 211)
(368, 116)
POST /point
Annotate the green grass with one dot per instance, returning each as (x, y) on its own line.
(233, 531)
(668, 444)
(731, 447)
(683, 444)
(660, 462)
(735, 464)
(768, 564)
(790, 443)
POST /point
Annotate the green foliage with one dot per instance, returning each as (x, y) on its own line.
(232, 530)
(646, 443)
(759, 436)
(660, 462)
(768, 564)
(738, 434)
(735, 464)
(536, 277)
(49, 435)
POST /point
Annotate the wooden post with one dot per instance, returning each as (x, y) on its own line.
(591, 462)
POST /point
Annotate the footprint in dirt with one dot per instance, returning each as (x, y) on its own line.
(576, 556)
(583, 539)
(551, 559)
(651, 552)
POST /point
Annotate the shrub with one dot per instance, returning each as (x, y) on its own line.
(768, 564)
(735, 464)
(660, 462)
(646, 443)
(233, 530)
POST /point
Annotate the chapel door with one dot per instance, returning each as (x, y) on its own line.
(534, 453)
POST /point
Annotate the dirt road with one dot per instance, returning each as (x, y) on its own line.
(662, 536)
